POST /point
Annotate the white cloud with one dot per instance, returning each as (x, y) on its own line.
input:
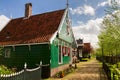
(86, 10)
(109, 1)
(3, 21)
(102, 4)
(88, 31)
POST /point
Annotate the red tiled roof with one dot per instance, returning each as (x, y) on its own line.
(36, 29)
(86, 48)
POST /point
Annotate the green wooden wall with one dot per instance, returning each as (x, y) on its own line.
(62, 39)
(64, 33)
(31, 56)
(54, 55)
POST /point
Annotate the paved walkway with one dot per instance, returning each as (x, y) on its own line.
(90, 70)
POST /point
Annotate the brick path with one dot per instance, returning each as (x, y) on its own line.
(90, 70)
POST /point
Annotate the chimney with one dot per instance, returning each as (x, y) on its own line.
(28, 10)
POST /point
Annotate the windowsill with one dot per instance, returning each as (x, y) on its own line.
(60, 63)
(66, 55)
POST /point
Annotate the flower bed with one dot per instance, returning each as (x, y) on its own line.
(63, 73)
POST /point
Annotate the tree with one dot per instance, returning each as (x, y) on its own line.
(109, 38)
(87, 49)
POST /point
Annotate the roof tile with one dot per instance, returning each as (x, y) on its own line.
(35, 29)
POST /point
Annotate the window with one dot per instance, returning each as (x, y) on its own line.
(7, 53)
(68, 51)
(63, 50)
(80, 53)
(60, 54)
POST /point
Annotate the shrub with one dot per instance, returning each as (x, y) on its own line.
(63, 73)
(5, 70)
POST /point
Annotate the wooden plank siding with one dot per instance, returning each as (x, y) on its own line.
(23, 54)
(55, 57)
(63, 39)
(64, 32)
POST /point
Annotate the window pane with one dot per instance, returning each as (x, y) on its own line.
(7, 53)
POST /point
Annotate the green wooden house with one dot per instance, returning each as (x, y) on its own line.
(45, 37)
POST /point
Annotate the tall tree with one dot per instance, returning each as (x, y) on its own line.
(109, 38)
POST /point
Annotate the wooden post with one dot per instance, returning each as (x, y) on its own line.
(40, 70)
(75, 66)
(25, 67)
(40, 63)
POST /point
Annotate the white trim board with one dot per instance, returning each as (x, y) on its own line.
(25, 44)
(59, 28)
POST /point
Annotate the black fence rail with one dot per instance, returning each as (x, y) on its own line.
(99, 58)
(109, 59)
(112, 59)
(107, 70)
(25, 74)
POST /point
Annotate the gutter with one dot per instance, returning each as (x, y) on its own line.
(25, 44)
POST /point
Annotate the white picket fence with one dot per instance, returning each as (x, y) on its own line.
(25, 74)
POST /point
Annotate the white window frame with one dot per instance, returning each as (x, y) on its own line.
(7, 53)
(80, 53)
(66, 51)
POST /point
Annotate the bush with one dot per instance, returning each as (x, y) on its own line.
(63, 73)
(5, 70)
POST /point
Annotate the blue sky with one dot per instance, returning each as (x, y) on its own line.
(15, 8)
(86, 15)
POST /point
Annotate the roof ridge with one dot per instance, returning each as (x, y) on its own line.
(40, 14)
(48, 12)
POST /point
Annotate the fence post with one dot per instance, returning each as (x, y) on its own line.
(40, 63)
(25, 67)
(40, 70)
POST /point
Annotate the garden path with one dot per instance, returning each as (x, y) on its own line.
(89, 70)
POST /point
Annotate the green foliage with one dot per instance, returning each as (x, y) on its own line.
(5, 70)
(114, 71)
(64, 72)
(1, 51)
(114, 6)
(109, 38)
(110, 34)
